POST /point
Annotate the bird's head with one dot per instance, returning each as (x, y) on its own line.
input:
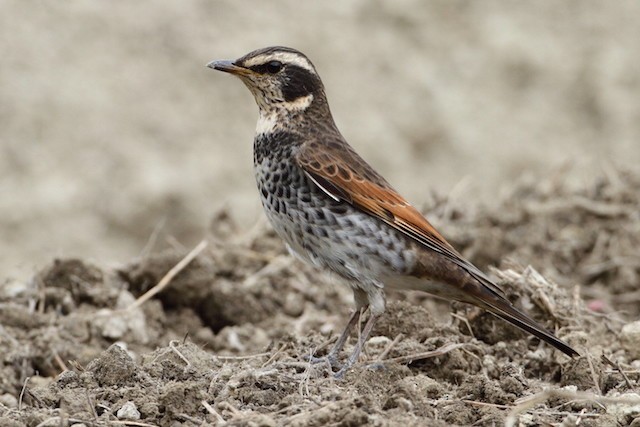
(280, 78)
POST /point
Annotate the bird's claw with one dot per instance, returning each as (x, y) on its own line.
(329, 359)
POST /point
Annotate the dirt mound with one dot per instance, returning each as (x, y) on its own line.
(226, 341)
(585, 236)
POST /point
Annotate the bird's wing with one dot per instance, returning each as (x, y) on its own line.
(343, 175)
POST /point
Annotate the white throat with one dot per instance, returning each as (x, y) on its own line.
(272, 118)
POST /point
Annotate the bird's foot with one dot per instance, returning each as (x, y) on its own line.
(330, 360)
(375, 366)
(343, 370)
(378, 365)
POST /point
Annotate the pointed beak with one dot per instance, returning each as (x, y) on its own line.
(228, 67)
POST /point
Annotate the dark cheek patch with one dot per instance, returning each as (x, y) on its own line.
(298, 82)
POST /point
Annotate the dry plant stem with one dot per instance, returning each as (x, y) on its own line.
(303, 386)
(248, 356)
(172, 346)
(464, 320)
(60, 362)
(228, 406)
(275, 354)
(617, 368)
(427, 354)
(210, 409)
(24, 388)
(594, 375)
(525, 404)
(328, 343)
(540, 411)
(91, 406)
(546, 303)
(491, 405)
(164, 282)
(392, 344)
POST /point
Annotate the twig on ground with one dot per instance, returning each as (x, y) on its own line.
(60, 362)
(389, 347)
(303, 386)
(248, 356)
(210, 409)
(594, 375)
(427, 354)
(230, 408)
(172, 346)
(326, 344)
(616, 367)
(464, 320)
(164, 282)
(546, 302)
(275, 354)
(24, 388)
(529, 402)
(492, 405)
(91, 406)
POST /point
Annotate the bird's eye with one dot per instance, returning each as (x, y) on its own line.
(273, 67)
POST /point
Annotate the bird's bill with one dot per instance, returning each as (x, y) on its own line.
(229, 67)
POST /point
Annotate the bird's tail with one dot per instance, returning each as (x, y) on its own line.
(501, 307)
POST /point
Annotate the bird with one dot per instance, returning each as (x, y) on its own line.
(335, 212)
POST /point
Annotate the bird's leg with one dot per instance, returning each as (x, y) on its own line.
(332, 356)
(353, 358)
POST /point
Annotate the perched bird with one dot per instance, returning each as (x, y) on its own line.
(337, 213)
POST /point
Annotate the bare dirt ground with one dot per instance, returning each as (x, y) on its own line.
(117, 145)
(225, 342)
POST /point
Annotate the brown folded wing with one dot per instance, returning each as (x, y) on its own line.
(343, 175)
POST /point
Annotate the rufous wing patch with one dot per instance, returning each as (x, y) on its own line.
(342, 174)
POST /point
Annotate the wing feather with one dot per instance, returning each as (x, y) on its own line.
(343, 175)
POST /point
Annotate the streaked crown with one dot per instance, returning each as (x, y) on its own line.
(279, 78)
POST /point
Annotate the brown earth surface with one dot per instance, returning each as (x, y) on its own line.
(117, 144)
(225, 342)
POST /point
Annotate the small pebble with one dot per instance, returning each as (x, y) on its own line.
(9, 400)
(128, 412)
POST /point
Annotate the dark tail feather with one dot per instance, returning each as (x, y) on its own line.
(505, 310)
(484, 296)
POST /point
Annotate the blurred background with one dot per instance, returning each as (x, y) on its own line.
(112, 127)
